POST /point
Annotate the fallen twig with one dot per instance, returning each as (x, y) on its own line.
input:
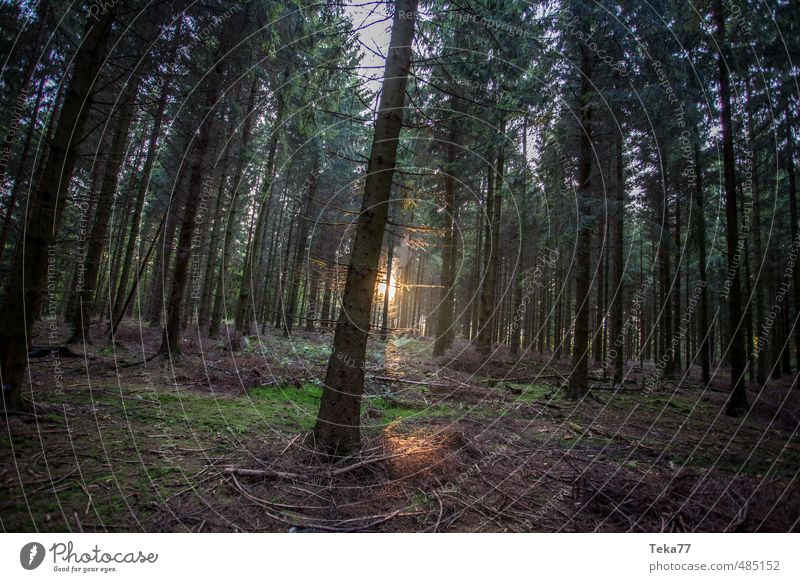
(260, 473)
(377, 519)
(415, 382)
(271, 473)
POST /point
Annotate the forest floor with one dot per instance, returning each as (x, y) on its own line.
(218, 440)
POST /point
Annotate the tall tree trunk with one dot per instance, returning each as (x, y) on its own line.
(83, 308)
(326, 301)
(675, 358)
(23, 162)
(600, 310)
(578, 378)
(387, 292)
(737, 404)
(144, 184)
(794, 229)
(158, 277)
(494, 325)
(664, 304)
(252, 256)
(272, 292)
(136, 221)
(337, 430)
(29, 271)
(703, 332)
(762, 357)
(491, 253)
(284, 268)
(476, 278)
(520, 311)
(618, 262)
(213, 248)
(296, 272)
(230, 224)
(313, 297)
(170, 343)
(444, 323)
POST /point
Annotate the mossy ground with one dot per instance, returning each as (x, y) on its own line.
(111, 455)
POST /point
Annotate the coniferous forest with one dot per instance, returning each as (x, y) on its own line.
(399, 266)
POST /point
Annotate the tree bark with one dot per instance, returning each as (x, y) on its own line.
(578, 379)
(337, 430)
(29, 271)
(617, 348)
(794, 230)
(703, 339)
(20, 174)
(762, 356)
(737, 404)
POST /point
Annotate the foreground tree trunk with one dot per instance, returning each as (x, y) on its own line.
(23, 162)
(337, 430)
(736, 355)
(27, 77)
(578, 379)
(29, 272)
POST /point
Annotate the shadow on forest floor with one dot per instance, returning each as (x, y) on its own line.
(217, 440)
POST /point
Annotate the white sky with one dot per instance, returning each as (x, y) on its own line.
(375, 27)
